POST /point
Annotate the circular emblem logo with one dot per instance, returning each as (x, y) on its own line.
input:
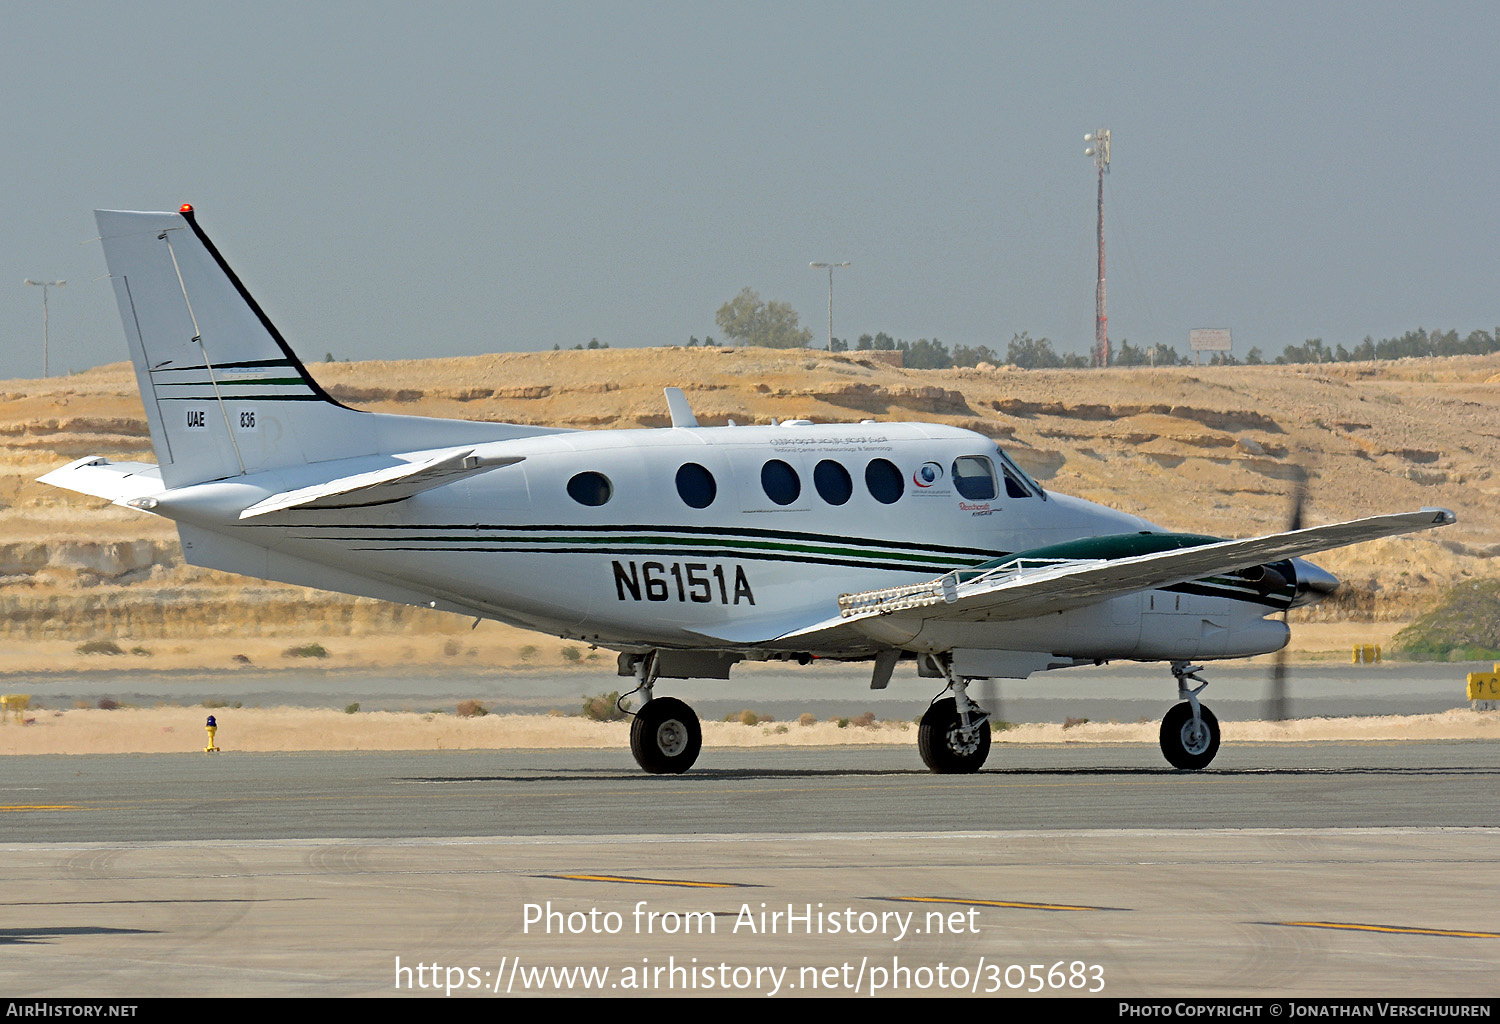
(929, 474)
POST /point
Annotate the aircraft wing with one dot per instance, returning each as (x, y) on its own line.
(1015, 590)
(381, 486)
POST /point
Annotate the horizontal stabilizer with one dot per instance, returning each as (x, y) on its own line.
(117, 481)
(381, 486)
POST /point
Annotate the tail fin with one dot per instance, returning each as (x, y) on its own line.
(224, 393)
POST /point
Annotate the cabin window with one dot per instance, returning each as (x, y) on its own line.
(884, 481)
(974, 477)
(590, 488)
(780, 482)
(833, 482)
(695, 485)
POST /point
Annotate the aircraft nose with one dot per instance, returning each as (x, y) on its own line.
(1313, 583)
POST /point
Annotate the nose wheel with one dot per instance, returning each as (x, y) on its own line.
(1189, 743)
(1189, 732)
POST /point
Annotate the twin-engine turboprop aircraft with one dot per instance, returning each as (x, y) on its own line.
(686, 549)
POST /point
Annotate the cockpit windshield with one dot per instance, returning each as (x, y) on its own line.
(1017, 483)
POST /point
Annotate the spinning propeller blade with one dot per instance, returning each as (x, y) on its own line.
(1277, 701)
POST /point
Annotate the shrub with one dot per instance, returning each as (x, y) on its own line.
(468, 709)
(604, 707)
(351, 709)
(528, 652)
(865, 721)
(313, 650)
(100, 647)
(1075, 721)
(572, 654)
(807, 718)
(745, 717)
(108, 704)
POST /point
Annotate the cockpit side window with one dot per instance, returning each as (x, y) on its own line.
(1017, 483)
(974, 477)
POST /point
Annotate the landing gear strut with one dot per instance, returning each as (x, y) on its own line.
(954, 735)
(665, 737)
(1189, 732)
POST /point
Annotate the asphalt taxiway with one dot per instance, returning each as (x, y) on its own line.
(1283, 870)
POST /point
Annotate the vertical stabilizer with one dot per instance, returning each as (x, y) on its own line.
(223, 392)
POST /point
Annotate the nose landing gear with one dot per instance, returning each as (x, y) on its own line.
(1189, 732)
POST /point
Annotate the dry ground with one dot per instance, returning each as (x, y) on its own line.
(1210, 449)
(181, 730)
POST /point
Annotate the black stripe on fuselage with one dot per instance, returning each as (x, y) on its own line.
(476, 543)
(785, 535)
(638, 554)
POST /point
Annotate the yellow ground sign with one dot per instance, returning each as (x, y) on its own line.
(1484, 685)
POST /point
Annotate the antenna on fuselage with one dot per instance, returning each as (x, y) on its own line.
(677, 405)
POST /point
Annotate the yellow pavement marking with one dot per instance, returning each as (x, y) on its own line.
(38, 807)
(1389, 929)
(679, 882)
(1013, 904)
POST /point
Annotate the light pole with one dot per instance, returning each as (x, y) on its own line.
(830, 266)
(44, 285)
(1099, 150)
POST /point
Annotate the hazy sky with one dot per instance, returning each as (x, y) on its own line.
(396, 179)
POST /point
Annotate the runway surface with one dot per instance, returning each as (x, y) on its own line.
(1308, 869)
(128, 798)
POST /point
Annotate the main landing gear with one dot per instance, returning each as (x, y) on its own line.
(954, 735)
(1189, 732)
(665, 737)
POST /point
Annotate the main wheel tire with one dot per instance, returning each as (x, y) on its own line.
(1186, 744)
(941, 742)
(665, 736)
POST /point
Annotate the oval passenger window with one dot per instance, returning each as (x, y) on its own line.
(780, 482)
(590, 488)
(832, 481)
(696, 486)
(884, 481)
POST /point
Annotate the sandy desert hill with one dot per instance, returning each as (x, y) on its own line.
(1210, 449)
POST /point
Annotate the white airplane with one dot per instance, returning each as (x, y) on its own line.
(685, 549)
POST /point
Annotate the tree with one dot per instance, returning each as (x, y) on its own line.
(963, 355)
(925, 355)
(1031, 353)
(749, 321)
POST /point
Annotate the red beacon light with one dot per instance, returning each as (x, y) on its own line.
(186, 208)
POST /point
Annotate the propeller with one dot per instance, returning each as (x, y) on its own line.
(1277, 708)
